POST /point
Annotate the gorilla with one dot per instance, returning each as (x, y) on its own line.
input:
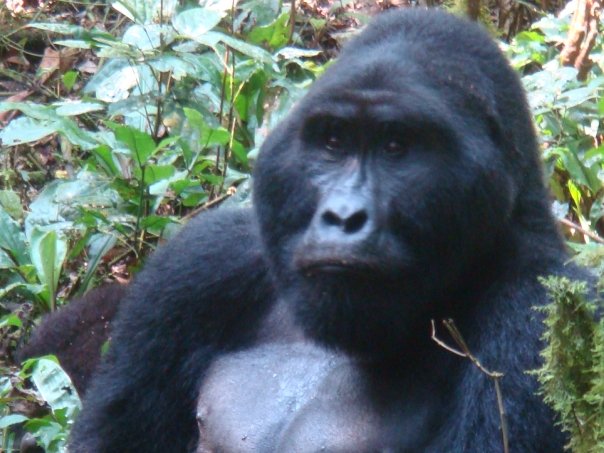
(76, 333)
(405, 187)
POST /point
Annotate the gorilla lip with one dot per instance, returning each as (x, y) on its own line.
(331, 267)
(310, 263)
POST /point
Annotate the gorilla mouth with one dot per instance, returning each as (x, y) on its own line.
(312, 263)
(331, 266)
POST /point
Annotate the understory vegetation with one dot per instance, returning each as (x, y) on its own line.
(120, 121)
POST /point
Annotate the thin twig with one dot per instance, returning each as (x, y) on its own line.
(495, 376)
(580, 229)
(206, 206)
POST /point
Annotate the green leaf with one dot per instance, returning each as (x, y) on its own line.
(238, 151)
(154, 173)
(139, 143)
(11, 203)
(100, 244)
(218, 136)
(12, 239)
(55, 387)
(177, 66)
(72, 108)
(148, 37)
(57, 207)
(63, 29)
(7, 289)
(48, 252)
(12, 419)
(69, 79)
(145, 11)
(291, 53)
(104, 157)
(12, 319)
(114, 80)
(43, 120)
(75, 43)
(36, 111)
(6, 261)
(25, 130)
(156, 223)
(194, 23)
(207, 135)
(275, 34)
(257, 53)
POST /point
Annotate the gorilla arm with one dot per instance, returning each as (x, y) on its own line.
(77, 332)
(201, 294)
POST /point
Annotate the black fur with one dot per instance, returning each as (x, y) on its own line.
(404, 187)
(76, 333)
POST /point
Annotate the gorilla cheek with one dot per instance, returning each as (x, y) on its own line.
(285, 205)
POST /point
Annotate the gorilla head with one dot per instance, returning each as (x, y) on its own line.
(395, 179)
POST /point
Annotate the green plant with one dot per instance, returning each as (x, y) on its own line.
(54, 390)
(567, 113)
(572, 375)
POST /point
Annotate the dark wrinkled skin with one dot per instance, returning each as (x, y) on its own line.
(404, 187)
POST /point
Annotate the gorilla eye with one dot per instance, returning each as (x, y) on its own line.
(335, 134)
(332, 142)
(394, 146)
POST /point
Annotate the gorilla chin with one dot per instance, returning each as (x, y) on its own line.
(404, 187)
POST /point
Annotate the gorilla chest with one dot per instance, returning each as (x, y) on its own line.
(300, 398)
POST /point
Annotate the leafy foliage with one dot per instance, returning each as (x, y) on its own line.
(170, 121)
(567, 113)
(54, 388)
(572, 375)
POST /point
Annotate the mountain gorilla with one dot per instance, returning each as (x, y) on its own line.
(404, 187)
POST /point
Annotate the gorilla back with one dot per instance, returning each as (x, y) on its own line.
(404, 187)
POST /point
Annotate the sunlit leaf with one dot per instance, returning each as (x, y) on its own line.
(194, 23)
(55, 386)
(25, 130)
(12, 239)
(48, 251)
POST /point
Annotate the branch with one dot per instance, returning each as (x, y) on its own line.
(495, 376)
(581, 230)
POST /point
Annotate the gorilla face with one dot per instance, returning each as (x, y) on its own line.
(376, 196)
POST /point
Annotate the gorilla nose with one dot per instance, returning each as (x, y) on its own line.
(348, 222)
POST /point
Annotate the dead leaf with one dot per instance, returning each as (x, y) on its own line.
(8, 115)
(56, 61)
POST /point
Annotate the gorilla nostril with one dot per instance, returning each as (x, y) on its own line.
(332, 219)
(348, 224)
(355, 222)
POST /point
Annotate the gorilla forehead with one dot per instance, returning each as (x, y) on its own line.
(379, 103)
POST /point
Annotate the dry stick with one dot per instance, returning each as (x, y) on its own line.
(292, 22)
(495, 376)
(206, 206)
(581, 230)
